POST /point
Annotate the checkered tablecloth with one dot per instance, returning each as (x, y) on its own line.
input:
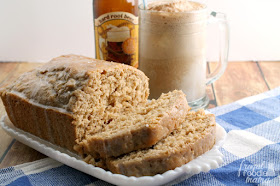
(251, 151)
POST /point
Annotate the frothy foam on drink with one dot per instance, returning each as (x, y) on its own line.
(118, 34)
(174, 6)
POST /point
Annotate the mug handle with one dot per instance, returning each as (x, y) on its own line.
(222, 22)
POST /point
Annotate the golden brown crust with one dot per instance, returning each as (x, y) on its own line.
(58, 81)
(48, 124)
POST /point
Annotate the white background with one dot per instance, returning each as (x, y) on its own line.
(38, 30)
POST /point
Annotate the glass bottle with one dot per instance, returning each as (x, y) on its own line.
(116, 30)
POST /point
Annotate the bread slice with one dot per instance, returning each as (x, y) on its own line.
(193, 137)
(141, 128)
(61, 99)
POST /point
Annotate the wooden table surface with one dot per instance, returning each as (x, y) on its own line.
(240, 80)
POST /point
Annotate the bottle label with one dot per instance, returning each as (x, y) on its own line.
(116, 37)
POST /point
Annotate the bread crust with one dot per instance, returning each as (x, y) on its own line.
(48, 124)
(55, 82)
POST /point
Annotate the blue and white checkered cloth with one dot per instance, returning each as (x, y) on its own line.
(251, 151)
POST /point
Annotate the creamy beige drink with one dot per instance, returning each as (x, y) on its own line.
(172, 47)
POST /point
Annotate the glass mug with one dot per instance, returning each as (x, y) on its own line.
(172, 52)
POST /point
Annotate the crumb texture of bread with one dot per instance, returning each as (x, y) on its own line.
(194, 137)
(140, 128)
(70, 93)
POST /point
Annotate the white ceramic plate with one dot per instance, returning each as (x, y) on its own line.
(209, 160)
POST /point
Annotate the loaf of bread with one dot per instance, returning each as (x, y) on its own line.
(193, 137)
(100, 110)
(140, 128)
(61, 99)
